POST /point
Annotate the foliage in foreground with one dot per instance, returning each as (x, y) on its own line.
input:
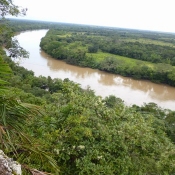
(87, 134)
(82, 132)
(14, 116)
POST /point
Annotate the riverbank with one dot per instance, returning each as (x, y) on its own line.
(78, 48)
(104, 84)
(57, 127)
(76, 115)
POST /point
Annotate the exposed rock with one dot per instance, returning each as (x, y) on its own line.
(8, 166)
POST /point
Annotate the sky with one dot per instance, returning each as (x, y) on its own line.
(156, 15)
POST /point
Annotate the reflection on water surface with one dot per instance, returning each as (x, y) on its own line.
(104, 84)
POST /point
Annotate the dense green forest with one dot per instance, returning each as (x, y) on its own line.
(137, 54)
(87, 134)
(55, 126)
(18, 25)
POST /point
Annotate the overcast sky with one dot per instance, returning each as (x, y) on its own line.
(157, 15)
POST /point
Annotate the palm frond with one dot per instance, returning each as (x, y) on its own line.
(4, 68)
(14, 116)
(30, 150)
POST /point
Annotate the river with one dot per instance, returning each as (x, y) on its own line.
(104, 84)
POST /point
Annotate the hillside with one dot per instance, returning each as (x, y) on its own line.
(57, 127)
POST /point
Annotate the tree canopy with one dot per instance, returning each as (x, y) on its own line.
(7, 7)
(133, 54)
(56, 126)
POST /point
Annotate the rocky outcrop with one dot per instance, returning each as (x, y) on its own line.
(8, 166)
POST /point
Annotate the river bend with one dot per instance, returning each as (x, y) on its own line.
(104, 84)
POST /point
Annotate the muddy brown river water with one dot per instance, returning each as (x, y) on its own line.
(104, 84)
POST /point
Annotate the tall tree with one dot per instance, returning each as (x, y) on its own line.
(7, 7)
